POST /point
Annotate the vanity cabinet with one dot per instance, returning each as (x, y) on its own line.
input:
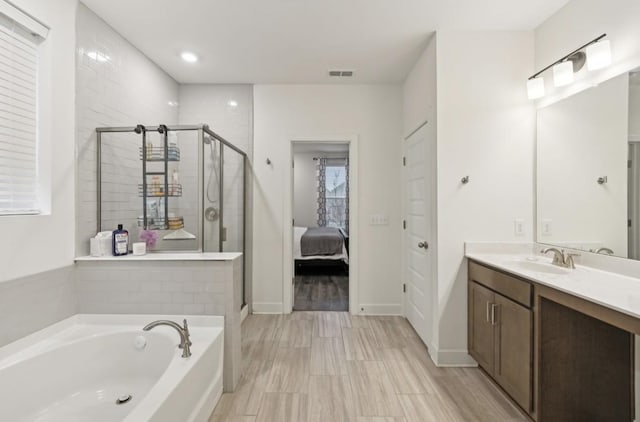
(501, 330)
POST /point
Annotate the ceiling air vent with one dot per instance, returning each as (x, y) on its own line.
(341, 73)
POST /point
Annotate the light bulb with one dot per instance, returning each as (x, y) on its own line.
(535, 88)
(599, 55)
(563, 73)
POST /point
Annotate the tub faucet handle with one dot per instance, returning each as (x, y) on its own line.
(185, 327)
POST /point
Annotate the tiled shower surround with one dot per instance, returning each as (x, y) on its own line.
(119, 86)
(116, 86)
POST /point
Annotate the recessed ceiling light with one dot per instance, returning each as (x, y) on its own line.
(232, 103)
(97, 56)
(189, 57)
(173, 103)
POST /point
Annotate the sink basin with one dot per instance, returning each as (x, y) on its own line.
(539, 267)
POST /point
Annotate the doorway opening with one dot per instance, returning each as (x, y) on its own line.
(320, 206)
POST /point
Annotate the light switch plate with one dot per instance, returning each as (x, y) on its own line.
(378, 220)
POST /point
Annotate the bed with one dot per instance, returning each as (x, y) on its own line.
(304, 261)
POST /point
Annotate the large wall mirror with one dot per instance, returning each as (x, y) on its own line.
(588, 169)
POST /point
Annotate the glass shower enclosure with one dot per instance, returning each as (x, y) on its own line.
(179, 188)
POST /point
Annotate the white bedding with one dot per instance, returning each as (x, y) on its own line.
(297, 235)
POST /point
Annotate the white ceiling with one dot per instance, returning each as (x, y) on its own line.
(297, 41)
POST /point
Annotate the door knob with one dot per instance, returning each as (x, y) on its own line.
(423, 245)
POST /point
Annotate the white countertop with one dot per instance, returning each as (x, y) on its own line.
(166, 256)
(614, 291)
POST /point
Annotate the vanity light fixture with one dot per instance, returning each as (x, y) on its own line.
(599, 55)
(596, 54)
(535, 88)
(563, 73)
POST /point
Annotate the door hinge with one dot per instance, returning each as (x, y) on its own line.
(404, 224)
(293, 164)
(629, 164)
(404, 288)
(629, 223)
(404, 161)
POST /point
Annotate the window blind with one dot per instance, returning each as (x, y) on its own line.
(18, 119)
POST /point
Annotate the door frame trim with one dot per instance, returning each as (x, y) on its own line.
(287, 253)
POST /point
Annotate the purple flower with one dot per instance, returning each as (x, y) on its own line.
(149, 237)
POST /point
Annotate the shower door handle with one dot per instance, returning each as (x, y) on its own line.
(423, 245)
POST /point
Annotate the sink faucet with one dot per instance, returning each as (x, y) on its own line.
(604, 250)
(558, 256)
(185, 343)
(561, 258)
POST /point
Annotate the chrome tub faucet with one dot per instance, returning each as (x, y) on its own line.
(185, 342)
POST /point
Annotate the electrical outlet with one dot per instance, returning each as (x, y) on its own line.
(518, 227)
(547, 227)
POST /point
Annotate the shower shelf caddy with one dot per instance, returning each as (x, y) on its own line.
(159, 189)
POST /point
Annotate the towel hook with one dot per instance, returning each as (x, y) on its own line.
(464, 180)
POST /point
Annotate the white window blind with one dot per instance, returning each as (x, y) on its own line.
(18, 118)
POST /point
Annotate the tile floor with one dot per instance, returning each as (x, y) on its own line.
(330, 366)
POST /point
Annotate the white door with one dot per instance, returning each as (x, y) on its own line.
(420, 211)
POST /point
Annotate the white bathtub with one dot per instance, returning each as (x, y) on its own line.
(75, 370)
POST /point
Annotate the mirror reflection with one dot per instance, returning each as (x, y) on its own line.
(588, 169)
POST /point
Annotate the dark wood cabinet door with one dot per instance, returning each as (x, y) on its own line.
(513, 361)
(481, 332)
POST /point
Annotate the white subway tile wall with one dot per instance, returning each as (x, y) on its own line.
(228, 109)
(116, 86)
(31, 303)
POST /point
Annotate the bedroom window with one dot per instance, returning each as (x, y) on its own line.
(333, 193)
(20, 37)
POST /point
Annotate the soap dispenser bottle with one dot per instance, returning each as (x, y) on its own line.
(120, 241)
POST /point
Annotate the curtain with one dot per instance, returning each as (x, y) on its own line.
(322, 192)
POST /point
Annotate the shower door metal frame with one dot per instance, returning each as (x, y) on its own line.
(202, 129)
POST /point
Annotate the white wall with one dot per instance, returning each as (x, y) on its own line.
(577, 23)
(305, 189)
(373, 114)
(419, 92)
(580, 139)
(486, 131)
(634, 110)
(32, 244)
(126, 90)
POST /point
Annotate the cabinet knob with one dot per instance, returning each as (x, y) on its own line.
(423, 245)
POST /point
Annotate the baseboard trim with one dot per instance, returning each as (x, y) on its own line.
(376, 309)
(452, 358)
(267, 308)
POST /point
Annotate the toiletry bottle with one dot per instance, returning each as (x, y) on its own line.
(120, 241)
(175, 182)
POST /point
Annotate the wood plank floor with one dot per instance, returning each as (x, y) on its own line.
(333, 367)
(314, 292)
